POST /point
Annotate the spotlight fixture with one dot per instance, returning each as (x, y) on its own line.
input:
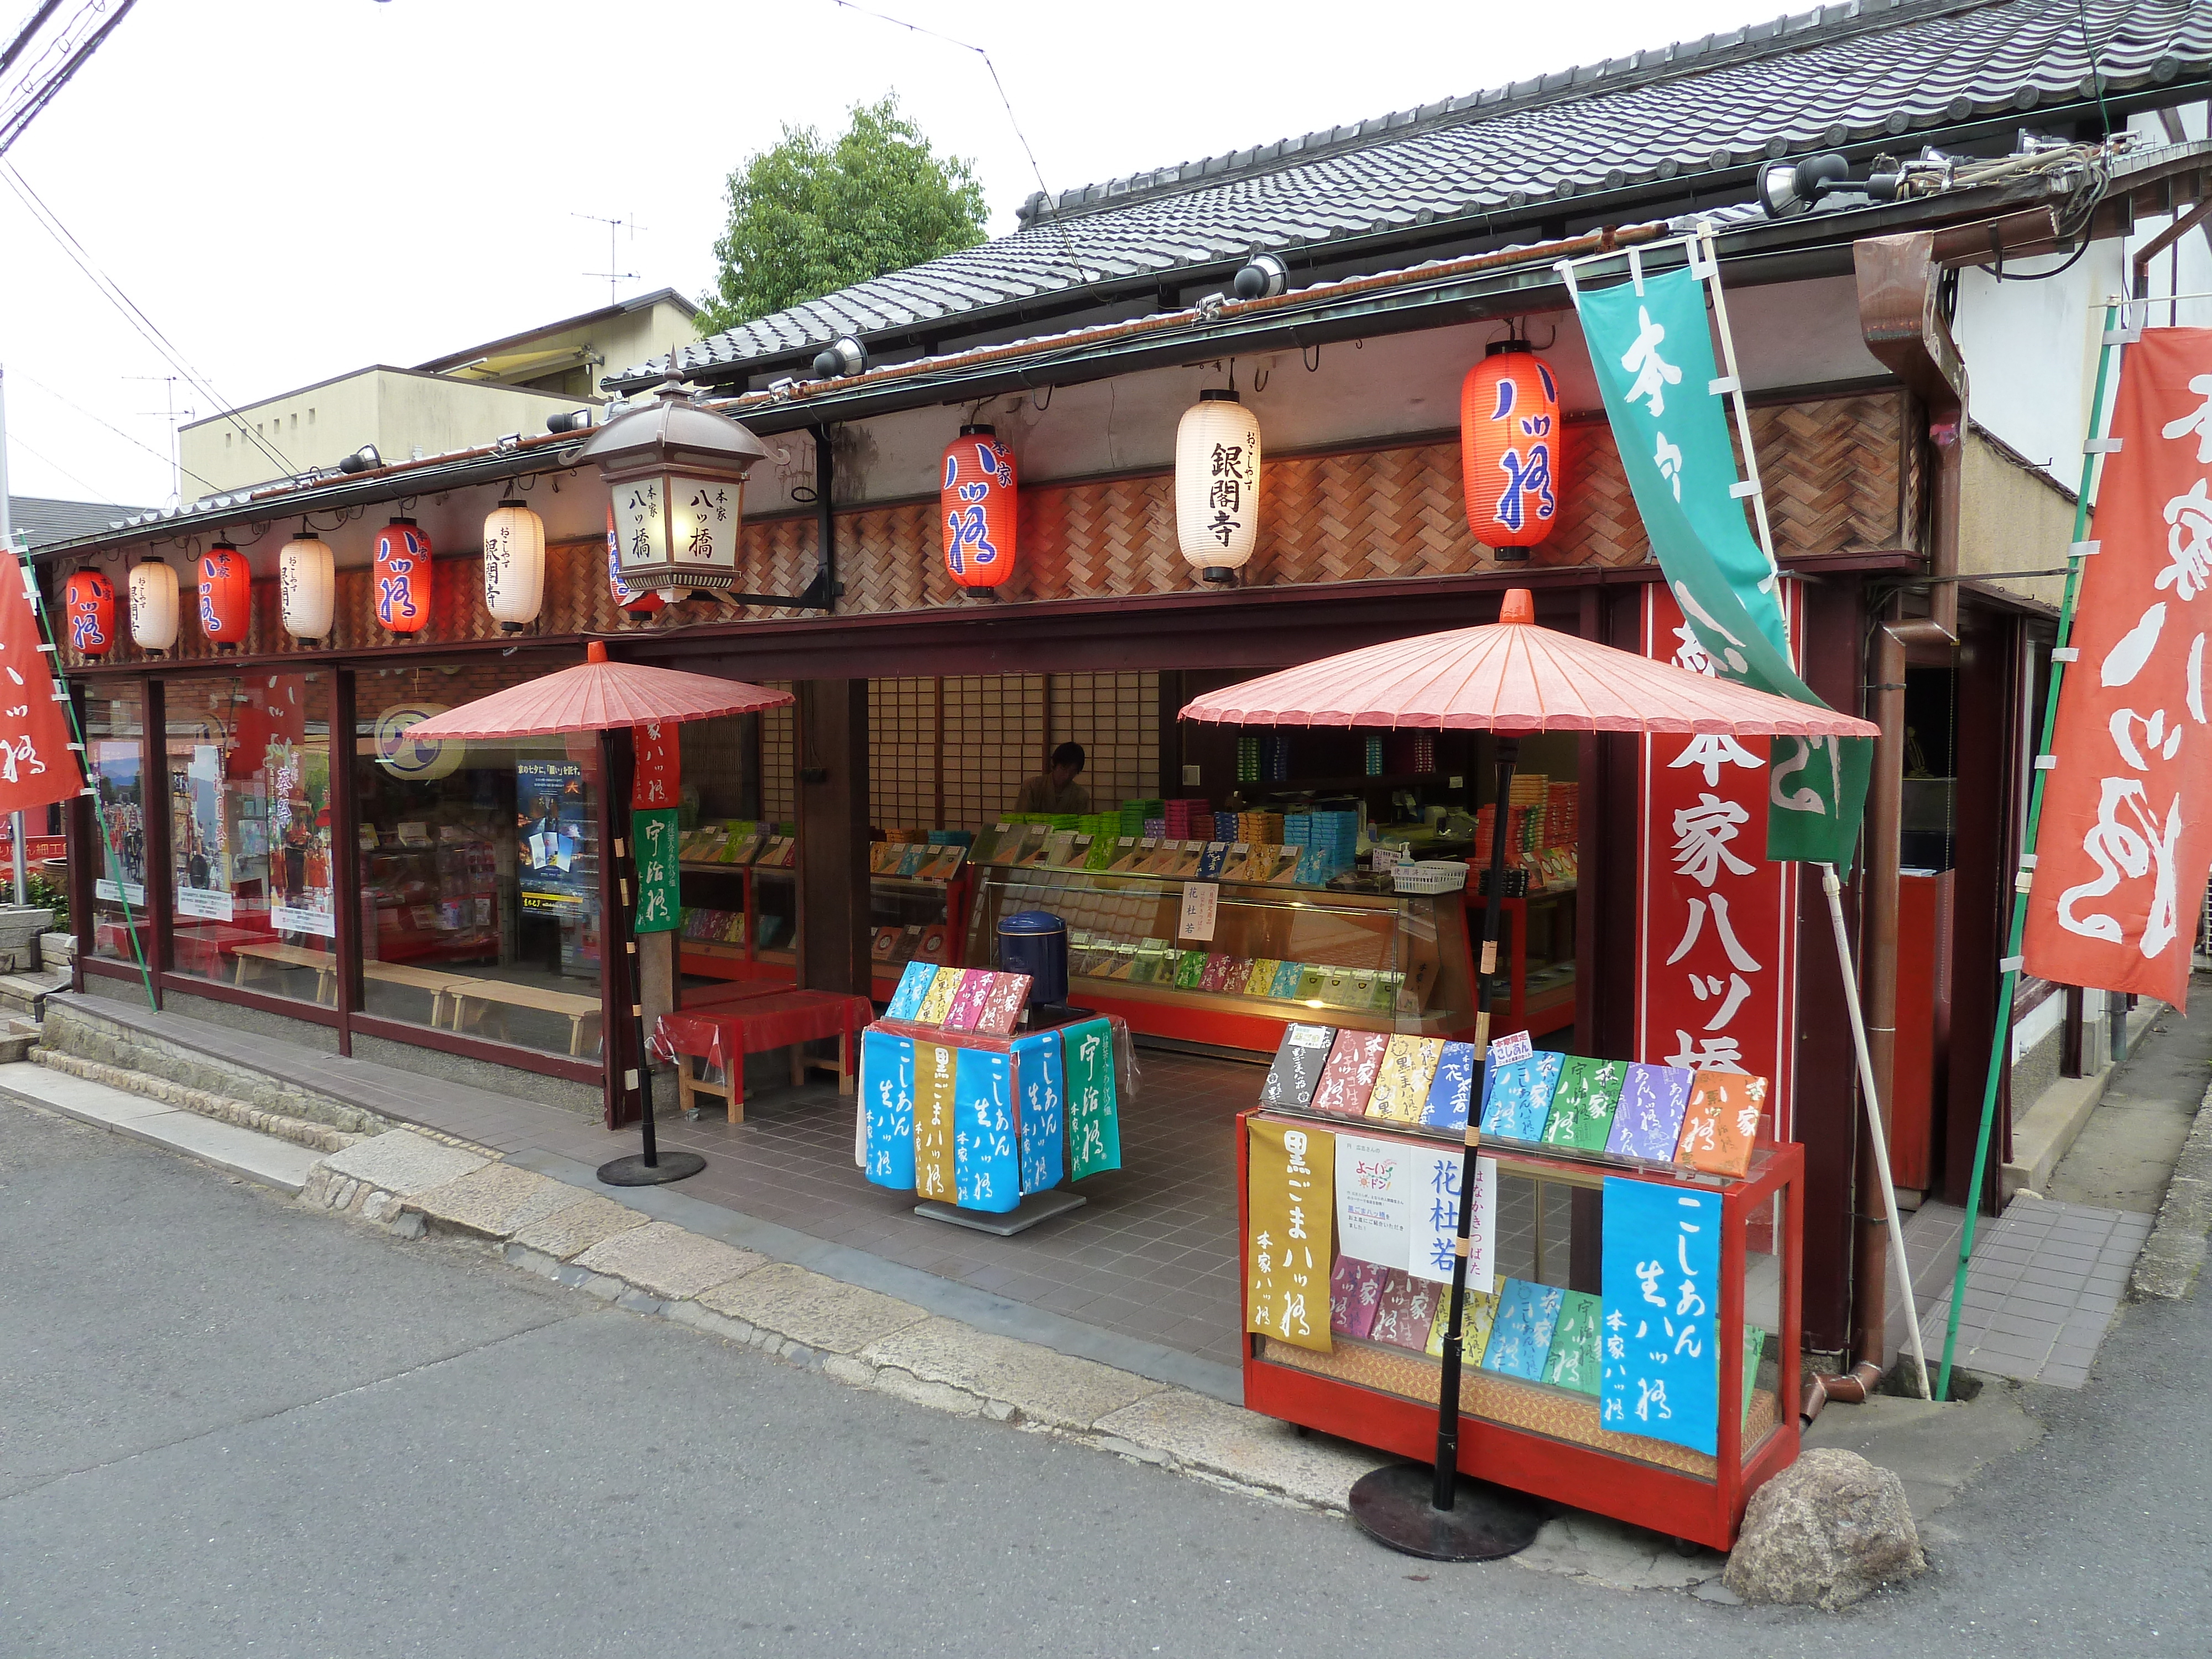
(844, 356)
(364, 459)
(576, 420)
(1786, 188)
(1262, 277)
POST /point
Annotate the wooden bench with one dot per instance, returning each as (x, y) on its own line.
(325, 963)
(438, 982)
(722, 1036)
(492, 992)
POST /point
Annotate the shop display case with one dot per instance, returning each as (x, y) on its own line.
(741, 922)
(425, 901)
(1374, 960)
(1561, 1430)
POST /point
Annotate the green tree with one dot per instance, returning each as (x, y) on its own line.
(808, 218)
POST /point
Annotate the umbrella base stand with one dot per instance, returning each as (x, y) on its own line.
(1397, 1506)
(634, 1171)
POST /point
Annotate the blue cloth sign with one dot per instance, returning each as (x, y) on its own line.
(1043, 1083)
(986, 1171)
(887, 1094)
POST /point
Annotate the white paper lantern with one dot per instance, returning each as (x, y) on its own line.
(513, 565)
(1217, 485)
(306, 582)
(153, 605)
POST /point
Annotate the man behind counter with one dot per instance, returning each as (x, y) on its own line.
(1057, 791)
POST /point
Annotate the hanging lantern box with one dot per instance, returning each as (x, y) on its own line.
(402, 577)
(306, 588)
(89, 601)
(1217, 485)
(976, 505)
(677, 475)
(226, 596)
(152, 604)
(1509, 449)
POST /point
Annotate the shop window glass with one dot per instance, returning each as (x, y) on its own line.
(479, 870)
(115, 735)
(250, 828)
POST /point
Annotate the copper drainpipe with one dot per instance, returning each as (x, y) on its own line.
(1903, 327)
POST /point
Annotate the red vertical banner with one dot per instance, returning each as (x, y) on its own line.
(36, 765)
(1716, 932)
(2126, 831)
(658, 778)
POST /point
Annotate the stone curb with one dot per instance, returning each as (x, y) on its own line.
(2174, 1252)
(854, 1335)
(317, 1137)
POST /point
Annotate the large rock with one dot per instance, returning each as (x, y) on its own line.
(1829, 1529)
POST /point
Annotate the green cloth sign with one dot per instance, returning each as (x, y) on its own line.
(660, 909)
(1653, 352)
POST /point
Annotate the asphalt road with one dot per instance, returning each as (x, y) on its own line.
(227, 1427)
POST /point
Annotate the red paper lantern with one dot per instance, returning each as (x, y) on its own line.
(226, 596)
(637, 601)
(1509, 425)
(90, 606)
(402, 577)
(976, 505)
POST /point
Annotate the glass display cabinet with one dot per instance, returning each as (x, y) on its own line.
(1379, 961)
(1549, 1403)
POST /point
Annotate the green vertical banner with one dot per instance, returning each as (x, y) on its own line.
(1652, 348)
(659, 909)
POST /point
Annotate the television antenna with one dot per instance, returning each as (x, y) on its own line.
(170, 413)
(631, 225)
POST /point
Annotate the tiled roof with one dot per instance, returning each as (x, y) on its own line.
(1868, 71)
(42, 520)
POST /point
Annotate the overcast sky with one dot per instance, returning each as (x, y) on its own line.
(292, 189)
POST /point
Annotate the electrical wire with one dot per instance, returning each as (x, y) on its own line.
(17, 123)
(1012, 120)
(16, 443)
(2089, 217)
(112, 291)
(165, 460)
(23, 35)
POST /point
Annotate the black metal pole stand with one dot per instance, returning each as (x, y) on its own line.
(1432, 1512)
(647, 1168)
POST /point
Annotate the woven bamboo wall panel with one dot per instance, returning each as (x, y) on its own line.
(1830, 469)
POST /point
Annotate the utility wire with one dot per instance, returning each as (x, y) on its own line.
(16, 443)
(167, 460)
(113, 292)
(16, 123)
(15, 49)
(1012, 120)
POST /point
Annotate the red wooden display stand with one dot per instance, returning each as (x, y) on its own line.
(1707, 1510)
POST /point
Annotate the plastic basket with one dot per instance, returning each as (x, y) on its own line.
(1430, 875)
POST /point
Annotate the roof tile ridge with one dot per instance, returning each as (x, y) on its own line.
(1823, 25)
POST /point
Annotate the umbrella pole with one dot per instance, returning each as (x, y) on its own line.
(1433, 1512)
(647, 1168)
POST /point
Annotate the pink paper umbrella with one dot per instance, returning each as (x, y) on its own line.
(1512, 676)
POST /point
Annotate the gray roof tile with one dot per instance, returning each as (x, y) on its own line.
(1835, 74)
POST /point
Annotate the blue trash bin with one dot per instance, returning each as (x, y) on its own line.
(1035, 942)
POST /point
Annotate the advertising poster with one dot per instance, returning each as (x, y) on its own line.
(301, 897)
(550, 832)
(119, 772)
(203, 838)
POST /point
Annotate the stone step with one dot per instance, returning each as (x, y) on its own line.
(24, 995)
(242, 1151)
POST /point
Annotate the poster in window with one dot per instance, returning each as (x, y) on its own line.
(551, 832)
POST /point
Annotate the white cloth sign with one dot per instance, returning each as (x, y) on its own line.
(1436, 1218)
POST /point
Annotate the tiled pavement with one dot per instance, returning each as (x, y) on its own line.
(2046, 1279)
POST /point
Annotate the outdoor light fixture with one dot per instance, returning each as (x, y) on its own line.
(677, 475)
(1217, 484)
(1791, 187)
(89, 603)
(513, 565)
(844, 356)
(226, 596)
(306, 586)
(576, 420)
(152, 604)
(364, 459)
(1264, 278)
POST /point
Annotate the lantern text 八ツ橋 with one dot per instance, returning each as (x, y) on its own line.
(1509, 419)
